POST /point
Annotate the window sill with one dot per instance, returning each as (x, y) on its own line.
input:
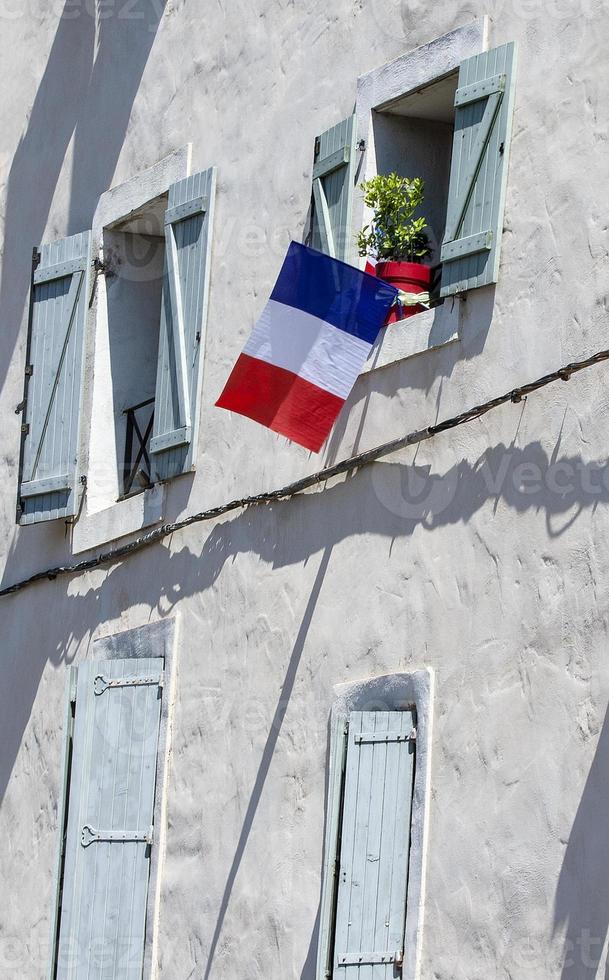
(124, 517)
(425, 331)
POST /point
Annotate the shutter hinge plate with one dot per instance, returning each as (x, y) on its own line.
(370, 959)
(101, 683)
(361, 737)
(90, 835)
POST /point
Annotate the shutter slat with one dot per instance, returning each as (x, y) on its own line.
(103, 915)
(189, 223)
(375, 841)
(483, 118)
(334, 170)
(48, 468)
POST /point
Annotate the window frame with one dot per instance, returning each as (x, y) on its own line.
(105, 517)
(377, 89)
(160, 638)
(390, 692)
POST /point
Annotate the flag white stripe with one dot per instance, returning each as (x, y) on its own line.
(309, 347)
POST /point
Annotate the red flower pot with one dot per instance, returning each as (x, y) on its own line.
(410, 277)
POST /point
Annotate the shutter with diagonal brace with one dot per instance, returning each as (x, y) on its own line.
(374, 846)
(188, 237)
(110, 832)
(478, 177)
(54, 371)
(334, 169)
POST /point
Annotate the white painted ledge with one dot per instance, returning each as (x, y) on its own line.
(416, 69)
(425, 331)
(124, 517)
(124, 199)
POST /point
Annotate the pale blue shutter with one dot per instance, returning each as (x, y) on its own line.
(483, 121)
(54, 371)
(110, 829)
(374, 848)
(188, 238)
(334, 168)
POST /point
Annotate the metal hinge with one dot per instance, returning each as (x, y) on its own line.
(370, 959)
(385, 737)
(29, 370)
(101, 683)
(90, 835)
(25, 428)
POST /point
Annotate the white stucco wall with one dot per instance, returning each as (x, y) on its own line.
(482, 556)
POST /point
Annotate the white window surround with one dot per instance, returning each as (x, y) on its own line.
(390, 692)
(161, 638)
(104, 517)
(91, 531)
(377, 90)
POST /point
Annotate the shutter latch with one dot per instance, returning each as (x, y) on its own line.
(91, 836)
(101, 683)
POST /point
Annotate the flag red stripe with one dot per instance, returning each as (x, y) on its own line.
(281, 400)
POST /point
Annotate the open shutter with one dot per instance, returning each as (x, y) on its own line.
(334, 169)
(483, 121)
(54, 371)
(374, 850)
(188, 236)
(110, 829)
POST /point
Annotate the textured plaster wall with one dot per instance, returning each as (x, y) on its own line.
(484, 555)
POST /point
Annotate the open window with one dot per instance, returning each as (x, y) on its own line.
(413, 136)
(134, 262)
(146, 295)
(152, 306)
(453, 130)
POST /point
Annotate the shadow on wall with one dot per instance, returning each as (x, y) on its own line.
(263, 770)
(416, 372)
(390, 501)
(582, 895)
(86, 93)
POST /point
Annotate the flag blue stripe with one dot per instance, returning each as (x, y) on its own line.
(335, 292)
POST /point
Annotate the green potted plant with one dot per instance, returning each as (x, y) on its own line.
(394, 238)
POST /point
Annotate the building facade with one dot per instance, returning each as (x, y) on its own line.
(354, 732)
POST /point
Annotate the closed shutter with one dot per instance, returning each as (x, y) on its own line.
(334, 170)
(188, 236)
(54, 371)
(110, 829)
(374, 847)
(483, 121)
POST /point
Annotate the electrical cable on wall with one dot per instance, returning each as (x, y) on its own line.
(315, 479)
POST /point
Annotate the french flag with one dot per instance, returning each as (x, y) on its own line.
(308, 347)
